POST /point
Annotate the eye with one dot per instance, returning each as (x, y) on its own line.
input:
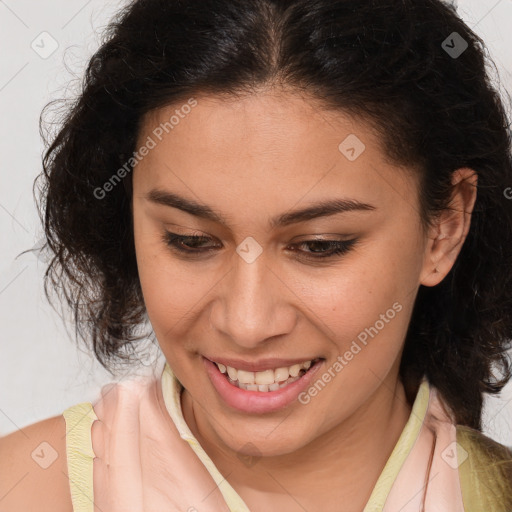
(337, 247)
(194, 245)
(183, 243)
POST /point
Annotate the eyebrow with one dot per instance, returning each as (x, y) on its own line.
(321, 209)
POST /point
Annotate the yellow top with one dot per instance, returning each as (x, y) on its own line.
(79, 419)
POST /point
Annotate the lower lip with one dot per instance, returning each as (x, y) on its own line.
(258, 401)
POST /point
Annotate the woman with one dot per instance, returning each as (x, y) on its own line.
(307, 200)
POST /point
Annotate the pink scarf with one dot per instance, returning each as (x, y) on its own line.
(143, 464)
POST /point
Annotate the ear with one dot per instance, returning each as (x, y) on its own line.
(446, 238)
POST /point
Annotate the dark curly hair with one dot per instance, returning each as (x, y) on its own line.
(387, 62)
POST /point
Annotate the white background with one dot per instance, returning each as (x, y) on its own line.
(41, 370)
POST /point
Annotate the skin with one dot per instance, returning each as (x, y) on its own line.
(253, 158)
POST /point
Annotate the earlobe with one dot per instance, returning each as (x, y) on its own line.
(448, 235)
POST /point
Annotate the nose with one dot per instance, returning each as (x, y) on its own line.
(253, 304)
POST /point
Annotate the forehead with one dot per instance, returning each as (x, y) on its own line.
(279, 146)
(270, 121)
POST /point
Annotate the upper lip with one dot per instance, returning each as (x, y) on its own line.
(259, 366)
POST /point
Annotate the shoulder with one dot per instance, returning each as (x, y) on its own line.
(485, 470)
(33, 468)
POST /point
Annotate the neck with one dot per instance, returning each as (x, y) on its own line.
(346, 461)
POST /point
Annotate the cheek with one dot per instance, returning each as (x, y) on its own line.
(363, 305)
(170, 295)
(351, 295)
(168, 290)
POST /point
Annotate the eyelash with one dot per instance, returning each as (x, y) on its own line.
(173, 240)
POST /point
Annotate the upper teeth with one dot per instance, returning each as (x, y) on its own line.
(264, 377)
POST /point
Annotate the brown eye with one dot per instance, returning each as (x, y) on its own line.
(337, 248)
(188, 244)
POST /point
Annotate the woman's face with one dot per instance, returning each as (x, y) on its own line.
(260, 292)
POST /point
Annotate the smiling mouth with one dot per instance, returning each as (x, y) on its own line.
(268, 380)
